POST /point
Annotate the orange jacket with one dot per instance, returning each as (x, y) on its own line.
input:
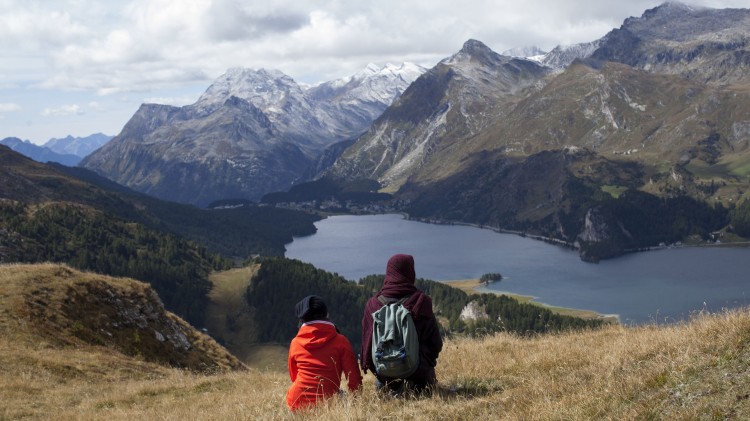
(318, 355)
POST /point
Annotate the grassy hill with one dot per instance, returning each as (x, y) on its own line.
(695, 370)
(49, 307)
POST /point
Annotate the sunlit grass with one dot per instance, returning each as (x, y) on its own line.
(693, 370)
(614, 191)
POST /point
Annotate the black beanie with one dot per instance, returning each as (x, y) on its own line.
(311, 307)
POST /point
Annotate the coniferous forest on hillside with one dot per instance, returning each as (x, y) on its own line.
(88, 239)
(280, 283)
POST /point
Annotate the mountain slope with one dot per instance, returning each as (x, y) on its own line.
(620, 111)
(454, 100)
(666, 93)
(235, 233)
(251, 132)
(48, 215)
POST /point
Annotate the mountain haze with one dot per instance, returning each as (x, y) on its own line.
(40, 153)
(79, 146)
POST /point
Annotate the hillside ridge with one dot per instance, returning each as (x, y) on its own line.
(64, 308)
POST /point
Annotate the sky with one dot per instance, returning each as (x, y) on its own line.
(78, 67)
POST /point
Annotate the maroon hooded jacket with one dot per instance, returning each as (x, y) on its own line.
(399, 282)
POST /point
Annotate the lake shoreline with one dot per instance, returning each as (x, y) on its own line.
(475, 287)
(572, 246)
(665, 285)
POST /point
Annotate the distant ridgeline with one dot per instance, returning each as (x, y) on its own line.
(280, 283)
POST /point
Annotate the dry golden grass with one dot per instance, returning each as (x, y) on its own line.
(695, 370)
(229, 320)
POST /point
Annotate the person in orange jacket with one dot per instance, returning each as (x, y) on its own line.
(318, 355)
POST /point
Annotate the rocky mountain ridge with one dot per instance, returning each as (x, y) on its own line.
(251, 132)
(456, 99)
(79, 146)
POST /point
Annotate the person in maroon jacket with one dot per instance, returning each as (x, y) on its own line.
(399, 282)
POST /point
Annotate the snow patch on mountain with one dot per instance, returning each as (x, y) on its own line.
(524, 52)
(563, 55)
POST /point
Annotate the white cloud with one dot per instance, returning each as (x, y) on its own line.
(31, 24)
(9, 107)
(111, 54)
(142, 45)
(64, 110)
(96, 106)
(174, 101)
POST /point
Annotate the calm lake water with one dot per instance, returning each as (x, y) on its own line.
(656, 286)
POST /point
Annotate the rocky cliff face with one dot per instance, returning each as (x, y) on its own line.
(702, 44)
(250, 133)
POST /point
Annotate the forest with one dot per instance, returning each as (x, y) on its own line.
(88, 239)
(645, 220)
(280, 283)
(236, 233)
(740, 219)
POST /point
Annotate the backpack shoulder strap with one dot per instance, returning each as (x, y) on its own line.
(388, 300)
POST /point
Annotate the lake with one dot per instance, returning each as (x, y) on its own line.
(660, 286)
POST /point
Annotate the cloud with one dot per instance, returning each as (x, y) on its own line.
(64, 110)
(145, 45)
(31, 24)
(9, 107)
(96, 106)
(174, 101)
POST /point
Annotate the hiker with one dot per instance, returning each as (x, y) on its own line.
(318, 355)
(399, 283)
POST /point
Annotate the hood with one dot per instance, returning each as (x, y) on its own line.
(316, 333)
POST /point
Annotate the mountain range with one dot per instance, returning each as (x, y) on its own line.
(658, 106)
(67, 151)
(250, 133)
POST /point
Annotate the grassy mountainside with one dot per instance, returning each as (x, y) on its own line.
(232, 232)
(694, 370)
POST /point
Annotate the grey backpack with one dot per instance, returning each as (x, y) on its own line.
(395, 342)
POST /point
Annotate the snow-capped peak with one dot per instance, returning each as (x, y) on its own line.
(264, 88)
